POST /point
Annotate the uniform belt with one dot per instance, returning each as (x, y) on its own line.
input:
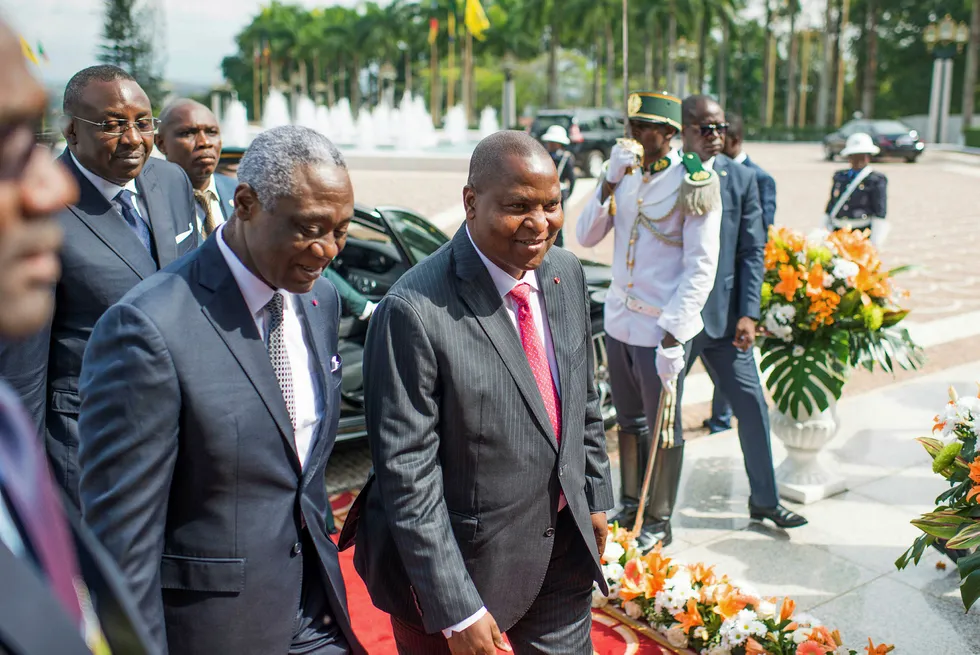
(634, 304)
(857, 223)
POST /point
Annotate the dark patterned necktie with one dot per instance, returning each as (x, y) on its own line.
(276, 345)
(133, 218)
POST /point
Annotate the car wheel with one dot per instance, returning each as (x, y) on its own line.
(594, 163)
(829, 153)
(911, 159)
(601, 370)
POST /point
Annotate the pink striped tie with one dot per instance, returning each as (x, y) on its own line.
(536, 357)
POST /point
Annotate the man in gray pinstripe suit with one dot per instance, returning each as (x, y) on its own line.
(491, 477)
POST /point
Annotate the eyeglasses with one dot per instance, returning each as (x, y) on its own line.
(710, 128)
(17, 144)
(118, 128)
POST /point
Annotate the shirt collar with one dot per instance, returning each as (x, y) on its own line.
(257, 293)
(740, 159)
(213, 188)
(109, 190)
(503, 280)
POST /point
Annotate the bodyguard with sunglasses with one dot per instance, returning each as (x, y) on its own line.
(733, 308)
(134, 215)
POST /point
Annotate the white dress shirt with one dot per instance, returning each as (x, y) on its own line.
(219, 216)
(676, 279)
(9, 532)
(740, 159)
(505, 283)
(307, 395)
(110, 190)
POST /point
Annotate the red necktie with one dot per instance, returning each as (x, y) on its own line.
(30, 491)
(536, 356)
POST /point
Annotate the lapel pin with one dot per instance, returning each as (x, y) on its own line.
(557, 280)
(315, 303)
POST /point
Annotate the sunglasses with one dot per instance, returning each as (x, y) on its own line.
(711, 128)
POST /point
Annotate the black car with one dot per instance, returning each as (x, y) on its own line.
(592, 132)
(896, 139)
(382, 244)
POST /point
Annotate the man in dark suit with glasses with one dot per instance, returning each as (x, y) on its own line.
(134, 215)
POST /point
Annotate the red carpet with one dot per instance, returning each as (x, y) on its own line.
(373, 628)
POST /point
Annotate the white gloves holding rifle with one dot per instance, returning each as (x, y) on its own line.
(620, 160)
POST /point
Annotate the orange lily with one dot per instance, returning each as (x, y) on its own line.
(731, 603)
(691, 618)
(814, 281)
(702, 573)
(937, 424)
(789, 281)
(634, 577)
(787, 609)
(774, 255)
(753, 647)
(822, 635)
(975, 477)
(871, 649)
(811, 647)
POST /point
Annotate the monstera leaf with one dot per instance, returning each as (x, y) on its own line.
(802, 379)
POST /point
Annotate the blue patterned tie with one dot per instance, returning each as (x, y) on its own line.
(133, 218)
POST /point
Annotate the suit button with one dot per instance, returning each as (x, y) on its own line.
(550, 532)
(297, 548)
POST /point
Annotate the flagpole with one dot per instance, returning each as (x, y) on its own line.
(626, 74)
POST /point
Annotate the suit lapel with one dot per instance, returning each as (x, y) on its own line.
(551, 288)
(477, 291)
(315, 329)
(160, 219)
(230, 317)
(99, 216)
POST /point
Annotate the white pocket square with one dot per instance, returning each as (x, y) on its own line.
(335, 363)
(183, 235)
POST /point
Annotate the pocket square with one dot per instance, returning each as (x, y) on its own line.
(183, 235)
(335, 363)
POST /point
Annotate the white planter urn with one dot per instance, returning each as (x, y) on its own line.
(807, 474)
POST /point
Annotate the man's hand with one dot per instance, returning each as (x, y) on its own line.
(620, 159)
(744, 334)
(600, 527)
(670, 363)
(481, 638)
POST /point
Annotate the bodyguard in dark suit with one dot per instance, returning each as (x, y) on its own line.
(134, 214)
(492, 479)
(50, 565)
(733, 308)
(190, 137)
(210, 397)
(721, 409)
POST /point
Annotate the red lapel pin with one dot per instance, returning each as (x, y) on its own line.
(557, 280)
(315, 303)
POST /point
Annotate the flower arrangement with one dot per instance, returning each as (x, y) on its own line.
(693, 607)
(954, 525)
(828, 306)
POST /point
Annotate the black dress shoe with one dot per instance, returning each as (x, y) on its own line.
(779, 515)
(651, 535)
(715, 426)
(625, 516)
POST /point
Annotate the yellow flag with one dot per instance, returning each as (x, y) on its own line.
(28, 52)
(476, 19)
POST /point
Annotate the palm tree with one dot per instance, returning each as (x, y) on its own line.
(793, 9)
(970, 75)
(870, 81)
(826, 68)
(767, 75)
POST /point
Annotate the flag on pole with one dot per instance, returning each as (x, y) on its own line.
(28, 53)
(433, 30)
(476, 19)
(42, 53)
(451, 22)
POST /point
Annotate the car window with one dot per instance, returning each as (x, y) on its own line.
(542, 123)
(587, 124)
(370, 261)
(418, 235)
(890, 127)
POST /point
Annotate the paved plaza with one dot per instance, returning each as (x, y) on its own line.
(841, 566)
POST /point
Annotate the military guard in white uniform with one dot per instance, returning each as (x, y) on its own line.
(666, 214)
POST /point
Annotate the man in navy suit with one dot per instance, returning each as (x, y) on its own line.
(733, 307)
(134, 215)
(721, 409)
(59, 591)
(210, 397)
(190, 137)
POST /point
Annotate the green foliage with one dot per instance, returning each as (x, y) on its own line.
(803, 382)
(972, 137)
(127, 42)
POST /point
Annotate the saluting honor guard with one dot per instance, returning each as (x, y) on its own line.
(859, 197)
(665, 210)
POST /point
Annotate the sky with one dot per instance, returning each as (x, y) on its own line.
(199, 33)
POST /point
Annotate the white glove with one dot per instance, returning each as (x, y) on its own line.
(368, 310)
(620, 159)
(879, 231)
(827, 224)
(670, 363)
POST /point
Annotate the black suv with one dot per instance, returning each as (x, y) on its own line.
(383, 243)
(592, 132)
